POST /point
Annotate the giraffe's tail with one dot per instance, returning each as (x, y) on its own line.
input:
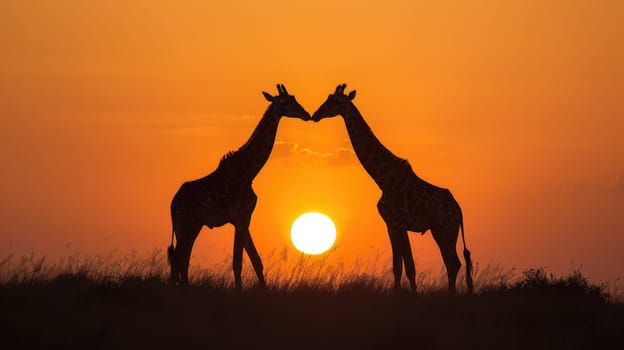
(468, 259)
(171, 249)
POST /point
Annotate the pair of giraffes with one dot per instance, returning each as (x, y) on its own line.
(407, 203)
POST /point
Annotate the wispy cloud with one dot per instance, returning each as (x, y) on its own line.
(294, 152)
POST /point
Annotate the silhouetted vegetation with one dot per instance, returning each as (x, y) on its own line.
(126, 302)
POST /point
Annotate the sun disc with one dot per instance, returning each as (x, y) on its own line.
(313, 233)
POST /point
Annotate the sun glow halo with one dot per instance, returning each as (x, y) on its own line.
(313, 233)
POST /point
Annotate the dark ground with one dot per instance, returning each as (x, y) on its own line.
(75, 312)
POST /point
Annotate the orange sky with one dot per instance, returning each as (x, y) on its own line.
(106, 107)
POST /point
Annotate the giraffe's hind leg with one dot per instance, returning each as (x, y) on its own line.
(446, 239)
(237, 256)
(180, 262)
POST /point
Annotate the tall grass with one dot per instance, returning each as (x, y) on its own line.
(98, 268)
(288, 272)
(125, 301)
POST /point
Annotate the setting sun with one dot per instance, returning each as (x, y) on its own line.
(313, 233)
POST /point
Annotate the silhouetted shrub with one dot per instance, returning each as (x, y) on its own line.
(538, 281)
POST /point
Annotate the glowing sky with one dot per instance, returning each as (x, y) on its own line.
(106, 107)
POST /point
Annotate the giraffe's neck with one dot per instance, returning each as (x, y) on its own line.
(376, 159)
(249, 159)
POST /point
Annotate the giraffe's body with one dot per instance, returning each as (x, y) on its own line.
(407, 203)
(226, 195)
(417, 205)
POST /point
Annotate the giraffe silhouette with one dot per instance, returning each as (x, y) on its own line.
(407, 203)
(226, 196)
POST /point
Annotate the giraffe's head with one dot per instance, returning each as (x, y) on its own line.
(335, 104)
(286, 105)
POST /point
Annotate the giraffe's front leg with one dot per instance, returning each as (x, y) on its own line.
(408, 259)
(401, 255)
(256, 262)
(395, 242)
(397, 260)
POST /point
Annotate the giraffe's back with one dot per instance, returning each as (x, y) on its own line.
(213, 200)
(417, 205)
(202, 202)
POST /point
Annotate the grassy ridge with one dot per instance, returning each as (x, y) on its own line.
(125, 302)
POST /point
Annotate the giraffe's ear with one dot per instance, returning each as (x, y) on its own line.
(268, 96)
(352, 95)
